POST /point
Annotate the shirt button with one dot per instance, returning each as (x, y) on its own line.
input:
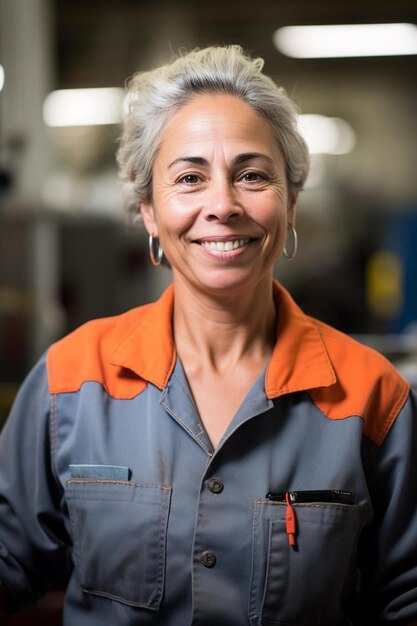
(208, 559)
(215, 485)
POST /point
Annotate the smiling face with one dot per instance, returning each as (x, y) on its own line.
(220, 201)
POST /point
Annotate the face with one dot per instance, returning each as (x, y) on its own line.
(220, 202)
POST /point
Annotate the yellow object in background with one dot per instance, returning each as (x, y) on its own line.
(385, 284)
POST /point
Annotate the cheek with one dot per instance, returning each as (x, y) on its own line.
(176, 215)
(272, 217)
(172, 227)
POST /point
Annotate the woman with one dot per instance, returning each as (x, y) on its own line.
(217, 457)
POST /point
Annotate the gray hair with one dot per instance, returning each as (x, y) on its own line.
(153, 97)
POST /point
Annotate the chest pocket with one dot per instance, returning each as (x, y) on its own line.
(119, 534)
(309, 583)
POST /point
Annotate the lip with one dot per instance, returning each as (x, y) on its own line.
(219, 238)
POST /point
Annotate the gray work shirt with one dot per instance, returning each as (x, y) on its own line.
(166, 531)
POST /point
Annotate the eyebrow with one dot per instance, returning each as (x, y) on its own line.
(238, 160)
(249, 156)
(189, 159)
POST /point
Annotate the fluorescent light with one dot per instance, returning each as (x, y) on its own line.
(347, 40)
(1, 78)
(83, 107)
(326, 135)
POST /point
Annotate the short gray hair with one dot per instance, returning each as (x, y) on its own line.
(153, 97)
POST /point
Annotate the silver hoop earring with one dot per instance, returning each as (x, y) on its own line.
(292, 254)
(156, 255)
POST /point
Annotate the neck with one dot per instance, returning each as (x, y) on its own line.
(223, 330)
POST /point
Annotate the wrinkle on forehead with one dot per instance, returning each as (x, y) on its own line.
(204, 126)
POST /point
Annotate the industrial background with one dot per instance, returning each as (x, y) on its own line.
(67, 253)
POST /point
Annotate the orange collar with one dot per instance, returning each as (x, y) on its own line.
(149, 348)
(299, 360)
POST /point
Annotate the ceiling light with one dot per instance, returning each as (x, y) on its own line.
(346, 40)
(83, 107)
(327, 135)
(1, 77)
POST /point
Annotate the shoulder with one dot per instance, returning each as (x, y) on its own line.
(367, 384)
(85, 355)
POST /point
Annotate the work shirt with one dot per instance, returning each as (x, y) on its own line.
(305, 513)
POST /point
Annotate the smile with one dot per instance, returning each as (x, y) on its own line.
(225, 246)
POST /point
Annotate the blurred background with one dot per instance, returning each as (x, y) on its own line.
(67, 253)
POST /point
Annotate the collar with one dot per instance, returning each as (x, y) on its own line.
(299, 360)
(149, 350)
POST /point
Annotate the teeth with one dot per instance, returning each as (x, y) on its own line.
(224, 246)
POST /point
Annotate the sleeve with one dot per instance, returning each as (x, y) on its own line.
(33, 539)
(389, 547)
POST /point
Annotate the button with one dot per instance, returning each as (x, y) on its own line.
(215, 485)
(208, 559)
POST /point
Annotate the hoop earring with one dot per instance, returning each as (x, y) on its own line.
(156, 259)
(292, 254)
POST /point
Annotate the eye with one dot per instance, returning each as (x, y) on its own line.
(253, 177)
(190, 179)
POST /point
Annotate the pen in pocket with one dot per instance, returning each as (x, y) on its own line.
(338, 496)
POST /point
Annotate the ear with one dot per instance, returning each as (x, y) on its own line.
(291, 208)
(148, 213)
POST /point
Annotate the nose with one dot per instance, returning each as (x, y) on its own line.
(223, 204)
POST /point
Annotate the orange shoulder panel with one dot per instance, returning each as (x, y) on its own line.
(85, 355)
(367, 385)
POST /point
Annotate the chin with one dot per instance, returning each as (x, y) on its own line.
(226, 285)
